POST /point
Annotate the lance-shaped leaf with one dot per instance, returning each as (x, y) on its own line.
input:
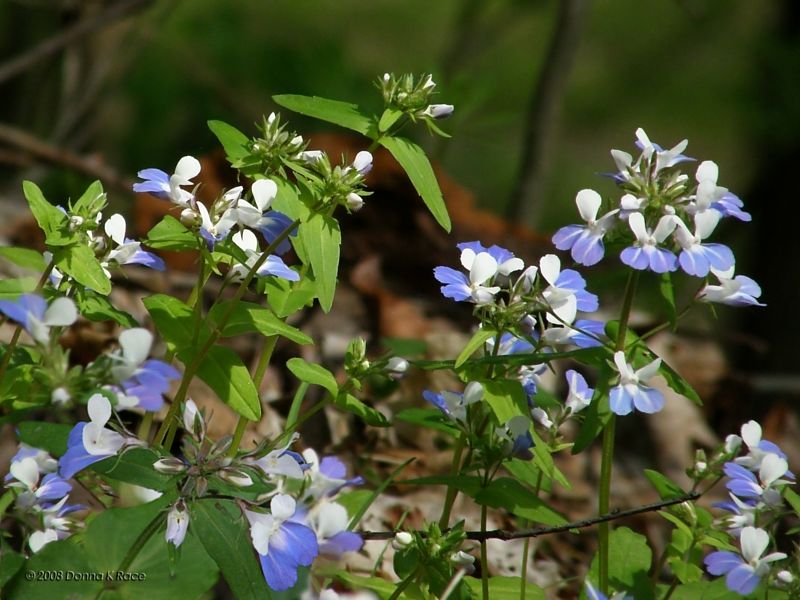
(339, 113)
(235, 143)
(78, 261)
(321, 239)
(52, 221)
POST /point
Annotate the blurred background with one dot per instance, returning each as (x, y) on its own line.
(543, 89)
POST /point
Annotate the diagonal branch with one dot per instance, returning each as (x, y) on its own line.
(504, 534)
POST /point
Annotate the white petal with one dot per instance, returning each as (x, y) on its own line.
(511, 265)
(26, 471)
(204, 216)
(362, 162)
(648, 371)
(751, 433)
(187, 168)
(622, 365)
(773, 467)
(62, 312)
(332, 519)
(754, 541)
(39, 539)
(233, 194)
(115, 228)
(264, 192)
(630, 202)
(136, 344)
(622, 159)
(550, 268)
(467, 258)
(588, 202)
(666, 225)
(282, 506)
(259, 534)
(636, 223)
(707, 171)
(705, 222)
(99, 409)
(473, 393)
(246, 240)
(484, 267)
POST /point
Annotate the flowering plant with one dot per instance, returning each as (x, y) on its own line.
(272, 518)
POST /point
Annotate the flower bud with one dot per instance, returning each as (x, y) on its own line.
(177, 523)
(732, 443)
(236, 477)
(60, 396)
(785, 577)
(169, 466)
(396, 367)
(402, 540)
(354, 202)
(438, 111)
(541, 417)
(190, 218)
(75, 221)
(462, 560)
(311, 156)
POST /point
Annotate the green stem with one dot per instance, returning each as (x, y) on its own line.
(401, 587)
(297, 403)
(144, 427)
(452, 491)
(484, 557)
(241, 425)
(526, 548)
(608, 441)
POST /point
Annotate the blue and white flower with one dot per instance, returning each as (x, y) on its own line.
(646, 253)
(579, 395)
(586, 242)
(482, 270)
(159, 183)
(31, 311)
(330, 522)
(177, 524)
(631, 392)
(733, 291)
(566, 293)
(455, 404)
(142, 382)
(283, 545)
(696, 257)
(326, 477)
(128, 251)
(744, 571)
(273, 265)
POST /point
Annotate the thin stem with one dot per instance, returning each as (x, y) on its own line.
(526, 548)
(452, 491)
(606, 465)
(297, 403)
(241, 425)
(401, 587)
(144, 427)
(484, 557)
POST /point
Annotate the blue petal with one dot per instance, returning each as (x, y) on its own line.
(742, 579)
(589, 250)
(450, 276)
(662, 261)
(719, 256)
(153, 175)
(694, 262)
(344, 541)
(76, 458)
(719, 563)
(620, 401)
(275, 266)
(648, 400)
(271, 225)
(332, 467)
(634, 257)
(147, 259)
(565, 238)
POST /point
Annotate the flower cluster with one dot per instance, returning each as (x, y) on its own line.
(664, 219)
(41, 494)
(413, 96)
(755, 482)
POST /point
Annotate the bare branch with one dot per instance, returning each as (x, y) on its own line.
(525, 203)
(504, 534)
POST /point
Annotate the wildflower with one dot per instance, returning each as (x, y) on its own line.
(698, 258)
(282, 545)
(177, 524)
(517, 437)
(743, 513)
(580, 394)
(586, 242)
(733, 291)
(329, 521)
(31, 311)
(193, 421)
(362, 162)
(273, 265)
(744, 572)
(158, 183)
(128, 251)
(664, 158)
(142, 382)
(438, 111)
(217, 229)
(91, 442)
(39, 539)
(482, 269)
(645, 253)
(744, 484)
(327, 476)
(630, 393)
(566, 293)
(24, 474)
(454, 404)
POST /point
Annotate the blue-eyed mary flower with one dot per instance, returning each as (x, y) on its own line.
(697, 258)
(141, 382)
(744, 571)
(128, 251)
(580, 394)
(646, 252)
(282, 545)
(767, 487)
(91, 442)
(711, 196)
(24, 475)
(585, 242)
(326, 476)
(733, 291)
(461, 288)
(177, 524)
(516, 437)
(160, 184)
(31, 311)
(566, 293)
(454, 404)
(507, 263)
(273, 265)
(631, 392)
(757, 447)
(329, 521)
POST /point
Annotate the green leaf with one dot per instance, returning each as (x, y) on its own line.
(314, 374)
(629, 559)
(506, 398)
(223, 530)
(175, 321)
(476, 341)
(170, 234)
(667, 290)
(369, 415)
(47, 436)
(248, 317)
(544, 460)
(10, 563)
(99, 309)
(24, 257)
(389, 117)
(430, 418)
(286, 298)
(339, 113)
(223, 371)
(322, 238)
(511, 495)
(666, 488)
(505, 588)
(11, 289)
(702, 590)
(79, 261)
(87, 203)
(236, 143)
(65, 557)
(416, 165)
(792, 498)
(678, 383)
(382, 587)
(135, 466)
(52, 221)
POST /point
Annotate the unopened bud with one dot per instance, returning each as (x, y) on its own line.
(462, 560)
(402, 540)
(60, 396)
(236, 477)
(190, 218)
(700, 466)
(169, 466)
(541, 417)
(75, 221)
(438, 111)
(354, 202)
(785, 577)
(396, 367)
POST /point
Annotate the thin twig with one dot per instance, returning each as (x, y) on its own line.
(525, 203)
(504, 534)
(50, 46)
